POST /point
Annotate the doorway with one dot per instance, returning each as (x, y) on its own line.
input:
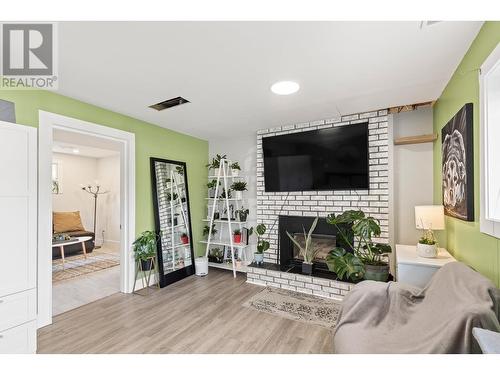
(113, 239)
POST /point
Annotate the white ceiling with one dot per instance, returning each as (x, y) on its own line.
(65, 142)
(226, 69)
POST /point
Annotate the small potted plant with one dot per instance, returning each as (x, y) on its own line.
(308, 251)
(206, 231)
(215, 255)
(144, 248)
(211, 188)
(180, 171)
(184, 238)
(223, 194)
(242, 214)
(239, 187)
(237, 236)
(427, 245)
(262, 245)
(235, 169)
(171, 197)
(215, 163)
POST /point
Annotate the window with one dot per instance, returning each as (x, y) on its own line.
(490, 144)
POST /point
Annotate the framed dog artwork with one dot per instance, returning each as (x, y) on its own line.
(458, 165)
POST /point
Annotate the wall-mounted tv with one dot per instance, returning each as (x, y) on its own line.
(326, 159)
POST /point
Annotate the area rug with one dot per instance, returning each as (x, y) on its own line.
(296, 306)
(77, 265)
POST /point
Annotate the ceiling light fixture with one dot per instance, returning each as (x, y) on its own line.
(76, 151)
(285, 87)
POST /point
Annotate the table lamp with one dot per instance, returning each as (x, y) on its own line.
(428, 219)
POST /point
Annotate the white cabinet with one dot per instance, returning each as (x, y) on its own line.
(415, 270)
(19, 339)
(18, 233)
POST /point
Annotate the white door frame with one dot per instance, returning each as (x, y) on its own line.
(47, 123)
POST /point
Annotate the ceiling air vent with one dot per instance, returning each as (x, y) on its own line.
(169, 103)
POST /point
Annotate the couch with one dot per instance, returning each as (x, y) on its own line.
(70, 223)
(393, 317)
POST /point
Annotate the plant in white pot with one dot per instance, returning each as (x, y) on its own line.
(206, 231)
(239, 187)
(235, 169)
(307, 250)
(262, 245)
(428, 219)
(211, 188)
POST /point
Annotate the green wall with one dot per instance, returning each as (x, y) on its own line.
(150, 140)
(463, 239)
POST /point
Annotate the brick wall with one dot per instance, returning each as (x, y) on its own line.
(374, 201)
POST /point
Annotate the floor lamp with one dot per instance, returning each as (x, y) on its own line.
(95, 191)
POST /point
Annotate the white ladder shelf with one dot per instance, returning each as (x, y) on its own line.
(224, 173)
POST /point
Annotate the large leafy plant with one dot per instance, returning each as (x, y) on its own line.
(308, 251)
(144, 246)
(361, 246)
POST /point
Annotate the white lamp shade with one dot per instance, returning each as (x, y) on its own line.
(429, 217)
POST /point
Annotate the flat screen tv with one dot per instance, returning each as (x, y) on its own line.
(326, 159)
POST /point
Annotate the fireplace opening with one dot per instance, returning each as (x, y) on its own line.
(324, 242)
(324, 236)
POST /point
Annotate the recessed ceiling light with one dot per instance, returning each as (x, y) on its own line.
(285, 87)
(76, 151)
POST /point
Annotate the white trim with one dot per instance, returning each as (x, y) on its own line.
(47, 122)
(486, 223)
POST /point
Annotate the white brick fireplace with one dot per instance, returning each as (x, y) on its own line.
(374, 201)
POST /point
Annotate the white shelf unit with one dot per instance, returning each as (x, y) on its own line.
(224, 176)
(174, 186)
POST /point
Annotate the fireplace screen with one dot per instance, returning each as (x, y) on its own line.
(324, 242)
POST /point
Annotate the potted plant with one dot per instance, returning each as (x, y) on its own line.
(215, 163)
(427, 245)
(235, 169)
(144, 248)
(242, 214)
(262, 245)
(211, 188)
(308, 251)
(374, 256)
(237, 236)
(206, 231)
(215, 255)
(223, 194)
(239, 187)
(184, 238)
(171, 197)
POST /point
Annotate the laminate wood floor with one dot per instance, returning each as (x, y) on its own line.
(195, 315)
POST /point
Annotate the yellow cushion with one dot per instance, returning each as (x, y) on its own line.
(67, 221)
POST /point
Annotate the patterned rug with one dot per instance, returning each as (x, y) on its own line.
(296, 306)
(77, 265)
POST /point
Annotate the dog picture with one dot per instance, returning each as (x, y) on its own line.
(457, 165)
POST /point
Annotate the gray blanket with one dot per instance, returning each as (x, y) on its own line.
(396, 318)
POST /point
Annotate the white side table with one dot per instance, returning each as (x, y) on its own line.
(417, 271)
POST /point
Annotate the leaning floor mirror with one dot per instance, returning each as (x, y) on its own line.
(172, 220)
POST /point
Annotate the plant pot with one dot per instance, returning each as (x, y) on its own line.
(238, 194)
(307, 268)
(146, 264)
(258, 258)
(175, 221)
(237, 238)
(242, 216)
(235, 172)
(185, 239)
(377, 273)
(427, 251)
